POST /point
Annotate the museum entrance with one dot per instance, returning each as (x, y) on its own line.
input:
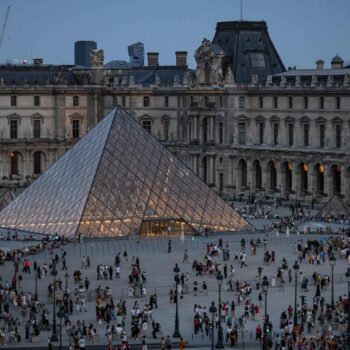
(165, 227)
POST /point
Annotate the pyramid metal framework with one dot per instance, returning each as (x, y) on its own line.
(336, 208)
(116, 177)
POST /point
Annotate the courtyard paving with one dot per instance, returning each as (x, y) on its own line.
(159, 264)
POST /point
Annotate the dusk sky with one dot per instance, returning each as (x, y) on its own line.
(302, 30)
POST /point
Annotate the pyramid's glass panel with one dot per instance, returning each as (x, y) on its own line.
(335, 208)
(117, 181)
(139, 184)
(55, 201)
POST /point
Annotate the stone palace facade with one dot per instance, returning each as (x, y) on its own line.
(240, 120)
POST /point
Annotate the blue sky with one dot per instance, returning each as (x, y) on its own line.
(302, 30)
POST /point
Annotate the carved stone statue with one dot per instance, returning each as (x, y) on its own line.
(157, 79)
(3, 133)
(216, 71)
(255, 79)
(132, 80)
(177, 80)
(209, 63)
(269, 80)
(283, 80)
(330, 80)
(297, 80)
(50, 133)
(229, 79)
(346, 80)
(96, 58)
(124, 80)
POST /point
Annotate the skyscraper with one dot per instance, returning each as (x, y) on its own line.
(136, 54)
(81, 52)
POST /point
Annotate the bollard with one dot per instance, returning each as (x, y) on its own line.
(192, 336)
(243, 345)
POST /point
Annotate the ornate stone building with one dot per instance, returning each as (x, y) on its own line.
(240, 120)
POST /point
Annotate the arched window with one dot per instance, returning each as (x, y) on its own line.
(146, 101)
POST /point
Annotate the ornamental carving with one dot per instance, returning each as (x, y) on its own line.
(96, 58)
(209, 63)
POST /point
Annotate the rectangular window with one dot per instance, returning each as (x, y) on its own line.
(166, 101)
(75, 101)
(241, 133)
(290, 134)
(338, 102)
(147, 124)
(257, 59)
(241, 102)
(275, 102)
(322, 135)
(261, 102)
(338, 136)
(221, 133)
(275, 134)
(290, 102)
(37, 128)
(13, 101)
(261, 133)
(36, 101)
(306, 135)
(321, 102)
(13, 128)
(76, 128)
(306, 102)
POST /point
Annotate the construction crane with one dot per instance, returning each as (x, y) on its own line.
(2, 33)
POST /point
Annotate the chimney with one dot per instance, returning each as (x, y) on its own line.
(38, 61)
(319, 64)
(153, 59)
(181, 58)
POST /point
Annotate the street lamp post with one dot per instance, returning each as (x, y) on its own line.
(348, 278)
(212, 311)
(234, 192)
(332, 262)
(296, 197)
(36, 280)
(265, 286)
(220, 343)
(296, 269)
(54, 337)
(302, 311)
(177, 331)
(61, 314)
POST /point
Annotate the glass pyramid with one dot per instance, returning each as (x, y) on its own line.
(334, 208)
(114, 179)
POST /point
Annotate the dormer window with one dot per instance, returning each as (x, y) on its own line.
(257, 59)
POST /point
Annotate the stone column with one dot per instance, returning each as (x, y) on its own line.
(195, 127)
(211, 170)
(195, 164)
(211, 129)
(328, 181)
(188, 131)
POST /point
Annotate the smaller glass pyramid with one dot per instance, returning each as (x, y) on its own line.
(115, 179)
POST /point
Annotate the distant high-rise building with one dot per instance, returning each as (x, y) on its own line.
(81, 52)
(136, 54)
